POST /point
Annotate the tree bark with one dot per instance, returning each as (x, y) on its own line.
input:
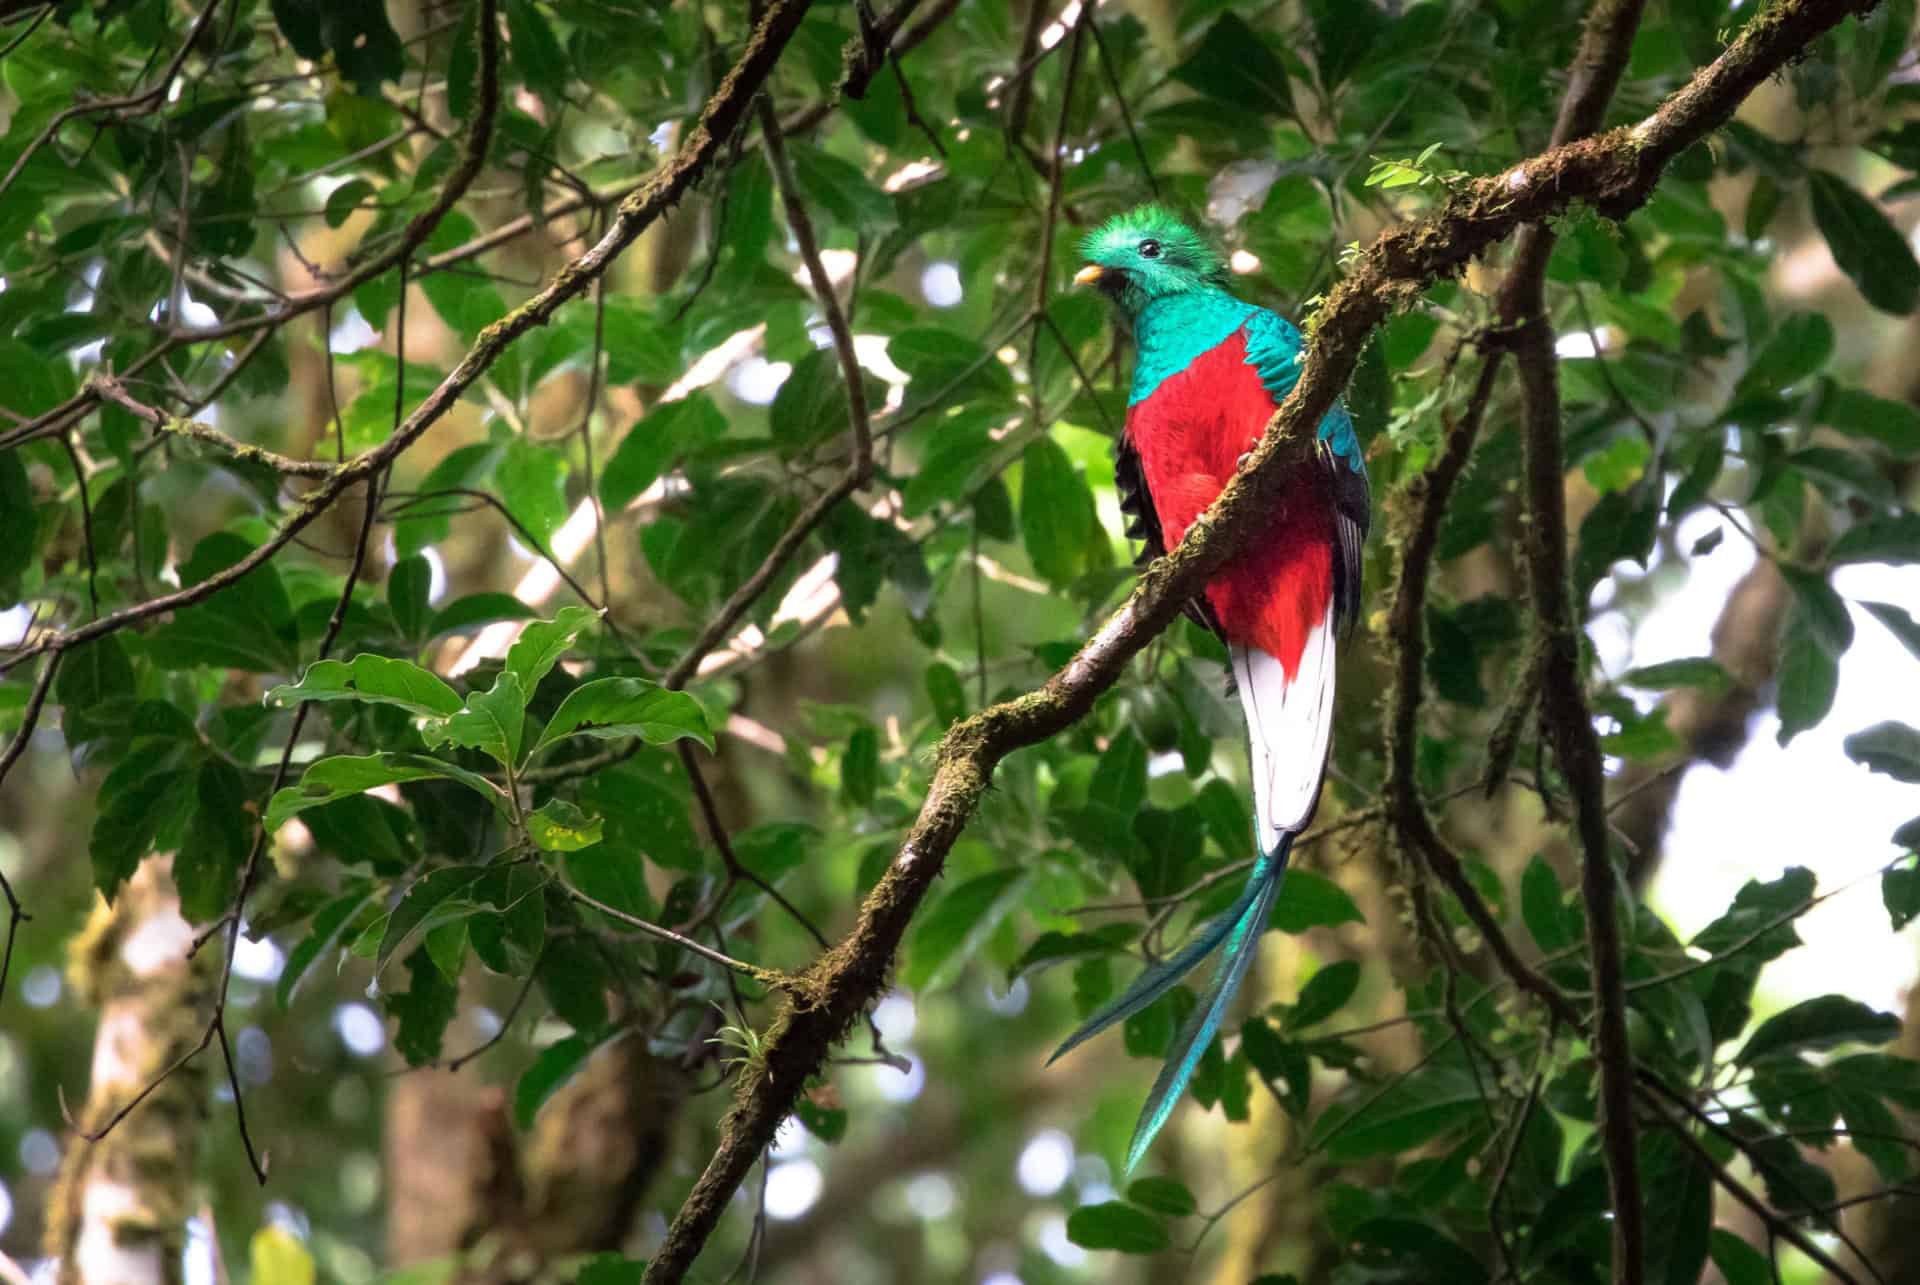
(117, 1213)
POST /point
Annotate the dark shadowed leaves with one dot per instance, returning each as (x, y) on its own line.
(1817, 1024)
(1234, 66)
(422, 1010)
(944, 938)
(1890, 747)
(551, 1068)
(1118, 1226)
(1308, 900)
(1865, 243)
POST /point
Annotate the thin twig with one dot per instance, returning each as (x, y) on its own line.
(764, 975)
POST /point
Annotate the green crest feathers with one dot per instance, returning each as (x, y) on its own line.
(1181, 246)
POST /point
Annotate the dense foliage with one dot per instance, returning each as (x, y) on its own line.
(568, 724)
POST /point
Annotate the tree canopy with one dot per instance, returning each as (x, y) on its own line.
(577, 702)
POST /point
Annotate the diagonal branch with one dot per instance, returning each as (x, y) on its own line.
(1615, 173)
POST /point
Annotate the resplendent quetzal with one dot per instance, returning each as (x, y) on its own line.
(1209, 372)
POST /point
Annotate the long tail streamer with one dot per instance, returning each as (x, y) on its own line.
(1238, 929)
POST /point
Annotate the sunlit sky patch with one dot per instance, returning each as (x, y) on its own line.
(1804, 804)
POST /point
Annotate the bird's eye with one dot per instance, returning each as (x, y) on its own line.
(1149, 249)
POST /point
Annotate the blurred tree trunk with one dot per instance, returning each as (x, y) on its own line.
(117, 1213)
(466, 1185)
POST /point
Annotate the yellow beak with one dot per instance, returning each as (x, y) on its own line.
(1088, 275)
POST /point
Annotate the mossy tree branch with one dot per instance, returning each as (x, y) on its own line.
(1614, 173)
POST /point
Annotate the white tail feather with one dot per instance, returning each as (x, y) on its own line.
(1287, 728)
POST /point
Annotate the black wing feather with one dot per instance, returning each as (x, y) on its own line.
(1352, 508)
(1143, 524)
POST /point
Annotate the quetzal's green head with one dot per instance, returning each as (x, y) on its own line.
(1145, 254)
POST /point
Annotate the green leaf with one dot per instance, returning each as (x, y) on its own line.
(533, 486)
(1890, 747)
(363, 828)
(246, 625)
(407, 587)
(642, 815)
(948, 696)
(535, 50)
(19, 524)
(1859, 413)
(93, 687)
(1815, 1024)
(1698, 671)
(840, 188)
(860, 767)
(829, 1124)
(1678, 1185)
(811, 405)
(426, 522)
(1412, 1111)
(1620, 528)
(1808, 679)
(1737, 1261)
(493, 721)
(559, 826)
(1117, 1226)
(1325, 993)
(344, 201)
(619, 708)
(1233, 65)
(1408, 1242)
(423, 1010)
(1056, 511)
(136, 808)
(542, 644)
(654, 442)
(206, 867)
(1167, 1196)
(1051, 948)
(476, 609)
(427, 903)
(1800, 348)
(328, 923)
(611, 1269)
(355, 32)
(1903, 626)
(1897, 1079)
(1794, 1184)
(956, 463)
(344, 775)
(1308, 900)
(1280, 1062)
(946, 937)
(1120, 777)
(1543, 906)
(1895, 540)
(640, 348)
(374, 680)
(575, 980)
(948, 366)
(466, 301)
(1900, 893)
(551, 1068)
(1865, 243)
